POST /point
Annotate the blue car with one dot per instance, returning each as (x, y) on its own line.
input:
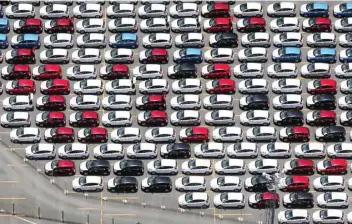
(327, 55)
(287, 54)
(343, 10)
(315, 9)
(4, 26)
(190, 55)
(346, 55)
(125, 40)
(26, 41)
(3, 41)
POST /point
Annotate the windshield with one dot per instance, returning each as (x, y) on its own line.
(288, 214)
(250, 114)
(258, 163)
(53, 38)
(155, 131)
(337, 147)
(185, 180)
(35, 148)
(180, 99)
(277, 67)
(243, 7)
(289, 181)
(188, 197)
(10, 116)
(54, 164)
(327, 163)
(82, 180)
(293, 163)
(192, 164)
(280, 22)
(327, 196)
(224, 197)
(258, 197)
(68, 148)
(225, 163)
(86, 131)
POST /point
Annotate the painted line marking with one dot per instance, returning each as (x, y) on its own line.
(239, 214)
(8, 181)
(25, 220)
(122, 198)
(120, 214)
(85, 209)
(13, 198)
(13, 165)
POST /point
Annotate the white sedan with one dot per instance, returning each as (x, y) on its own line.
(15, 119)
(88, 10)
(152, 10)
(230, 166)
(59, 40)
(229, 200)
(228, 134)
(285, 24)
(149, 71)
(119, 55)
(254, 54)
(343, 70)
(87, 55)
(54, 11)
(143, 150)
(224, 55)
(310, 150)
(163, 40)
(194, 200)
(187, 86)
(210, 149)
(154, 25)
(117, 118)
(121, 10)
(191, 183)
(255, 117)
(88, 102)
(73, 151)
(109, 151)
(281, 70)
(288, 39)
(248, 9)
(248, 70)
(40, 151)
(277, 149)
(244, 149)
(89, 86)
(253, 86)
(218, 101)
(117, 102)
(120, 86)
(329, 183)
(163, 166)
(184, 10)
(89, 183)
(93, 40)
(220, 117)
(261, 133)
(127, 134)
(282, 9)
(185, 117)
(79, 72)
(154, 86)
(160, 134)
(340, 150)
(292, 216)
(197, 166)
(21, 10)
(263, 166)
(18, 102)
(333, 199)
(330, 216)
(287, 86)
(288, 101)
(186, 101)
(226, 183)
(93, 25)
(22, 135)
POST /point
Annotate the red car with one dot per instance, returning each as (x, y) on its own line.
(55, 86)
(156, 55)
(45, 72)
(332, 166)
(322, 86)
(321, 118)
(28, 26)
(262, 200)
(84, 119)
(20, 56)
(194, 134)
(60, 168)
(318, 24)
(294, 134)
(116, 71)
(21, 86)
(93, 135)
(221, 86)
(17, 71)
(219, 9)
(294, 183)
(151, 102)
(53, 102)
(299, 166)
(59, 135)
(51, 119)
(218, 25)
(251, 24)
(63, 25)
(153, 118)
(216, 71)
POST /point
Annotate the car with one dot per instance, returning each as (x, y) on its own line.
(186, 101)
(194, 200)
(278, 9)
(21, 10)
(55, 86)
(325, 55)
(298, 199)
(84, 119)
(53, 102)
(191, 183)
(259, 39)
(163, 166)
(343, 25)
(344, 71)
(46, 72)
(128, 168)
(20, 56)
(288, 101)
(263, 200)
(95, 167)
(284, 24)
(17, 71)
(108, 72)
(109, 151)
(100, 2)
(88, 102)
(288, 118)
(151, 102)
(20, 86)
(127, 134)
(256, 183)
(321, 117)
(154, 86)
(152, 10)
(54, 11)
(88, 55)
(73, 151)
(143, 150)
(263, 165)
(117, 102)
(162, 40)
(175, 150)
(333, 199)
(185, 117)
(248, 9)
(276, 150)
(184, 9)
(23, 135)
(27, 26)
(294, 134)
(54, 56)
(185, 25)
(122, 25)
(332, 166)
(329, 183)
(226, 183)
(287, 86)
(261, 133)
(253, 54)
(50, 119)
(328, 216)
(218, 9)
(330, 133)
(95, 87)
(216, 25)
(251, 24)
(189, 40)
(82, 72)
(117, 118)
(194, 134)
(154, 25)
(253, 86)
(88, 184)
(221, 86)
(345, 118)
(218, 71)
(153, 56)
(188, 55)
(294, 183)
(59, 40)
(315, 9)
(255, 117)
(322, 86)
(197, 166)
(300, 166)
(209, 150)
(88, 10)
(157, 184)
(288, 39)
(322, 40)
(152, 118)
(254, 102)
(95, 25)
(229, 200)
(317, 24)
(122, 185)
(287, 54)
(120, 86)
(345, 40)
(4, 26)
(60, 168)
(221, 55)
(160, 134)
(282, 70)
(31, 41)
(187, 86)
(15, 119)
(121, 10)
(18, 102)
(40, 151)
(343, 10)
(244, 149)
(122, 40)
(182, 71)
(321, 101)
(60, 134)
(64, 25)
(223, 40)
(230, 166)
(218, 101)
(228, 134)
(311, 70)
(93, 40)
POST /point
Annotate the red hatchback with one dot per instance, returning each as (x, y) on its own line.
(59, 135)
(221, 86)
(60, 168)
(153, 118)
(93, 135)
(53, 102)
(156, 55)
(151, 102)
(216, 71)
(294, 134)
(321, 118)
(318, 24)
(294, 183)
(28, 26)
(21, 86)
(63, 25)
(332, 166)
(322, 86)
(17, 71)
(84, 119)
(115, 72)
(252, 24)
(299, 166)
(194, 134)
(219, 9)
(218, 25)
(45, 72)
(51, 119)
(55, 86)
(20, 56)
(262, 200)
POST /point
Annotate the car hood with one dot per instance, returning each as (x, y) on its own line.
(251, 166)
(47, 166)
(75, 183)
(9, 56)
(240, 23)
(13, 134)
(111, 183)
(142, 55)
(251, 198)
(47, 133)
(83, 165)
(310, 116)
(39, 117)
(319, 132)
(305, 23)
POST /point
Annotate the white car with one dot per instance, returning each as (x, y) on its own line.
(120, 86)
(248, 70)
(282, 70)
(255, 117)
(259, 39)
(230, 166)
(340, 150)
(59, 40)
(343, 25)
(321, 40)
(21, 10)
(123, 25)
(191, 183)
(185, 25)
(89, 102)
(88, 10)
(321, 70)
(87, 55)
(54, 11)
(329, 183)
(244, 149)
(187, 86)
(117, 118)
(282, 9)
(79, 72)
(333, 199)
(18, 102)
(277, 149)
(121, 10)
(92, 25)
(253, 86)
(21, 135)
(263, 166)
(261, 133)
(163, 166)
(15, 119)
(229, 200)
(197, 166)
(73, 151)
(127, 134)
(218, 101)
(149, 71)
(119, 55)
(160, 134)
(40, 151)
(226, 183)
(220, 117)
(147, 2)
(228, 134)
(345, 118)
(210, 149)
(108, 151)
(189, 40)
(310, 150)
(88, 183)
(152, 10)
(254, 54)
(285, 24)
(288, 39)
(143, 150)
(54, 56)
(287, 86)
(90, 86)
(248, 9)
(185, 117)
(330, 216)
(292, 216)
(194, 200)
(345, 102)
(116, 102)
(184, 10)
(288, 101)
(343, 71)
(187, 101)
(154, 25)
(224, 55)
(163, 40)
(154, 86)
(345, 40)
(93, 40)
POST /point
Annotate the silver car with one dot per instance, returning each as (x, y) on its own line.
(157, 40)
(185, 25)
(59, 40)
(91, 40)
(189, 40)
(15, 119)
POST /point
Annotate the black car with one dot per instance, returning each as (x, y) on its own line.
(183, 71)
(348, 120)
(157, 184)
(256, 102)
(176, 150)
(322, 102)
(299, 199)
(331, 134)
(257, 183)
(95, 167)
(289, 117)
(123, 184)
(129, 168)
(225, 40)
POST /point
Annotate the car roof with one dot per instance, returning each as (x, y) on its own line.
(301, 130)
(187, 67)
(117, 67)
(328, 82)
(293, 113)
(304, 195)
(4, 21)
(191, 97)
(61, 82)
(25, 82)
(79, 146)
(334, 213)
(161, 21)
(101, 162)
(92, 51)
(221, 67)
(3, 36)
(234, 195)
(338, 162)
(229, 36)
(292, 50)
(92, 6)
(162, 36)
(35, 22)
(322, 20)
(261, 113)
(325, 97)
(24, 6)
(222, 6)
(192, 21)
(57, 51)
(248, 145)
(23, 115)
(320, 5)
(305, 162)
(65, 163)
(316, 145)
(63, 36)
(256, 97)
(168, 162)
(253, 5)
(65, 131)
(198, 36)
(193, 6)
(56, 115)
(330, 36)
(129, 36)
(181, 146)
(270, 162)
(255, 20)
(300, 179)
(203, 162)
(338, 195)
(158, 113)
(30, 130)
(52, 67)
(166, 130)
(225, 21)
(253, 65)
(226, 82)
(191, 113)
(293, 35)
(127, 180)
(233, 130)
(155, 98)
(335, 179)
(295, 82)
(291, 66)
(196, 179)
(226, 51)
(261, 35)
(94, 82)
(134, 162)
(159, 51)
(346, 146)
(237, 162)
(113, 147)
(223, 97)
(162, 180)
(147, 146)
(200, 130)
(299, 213)
(24, 51)
(258, 50)
(125, 21)
(330, 51)
(63, 22)
(199, 195)
(231, 179)
(281, 145)
(259, 82)
(125, 6)
(161, 82)
(56, 98)
(98, 131)
(59, 7)
(215, 145)
(21, 98)
(294, 97)
(270, 196)
(132, 130)
(193, 51)
(93, 179)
